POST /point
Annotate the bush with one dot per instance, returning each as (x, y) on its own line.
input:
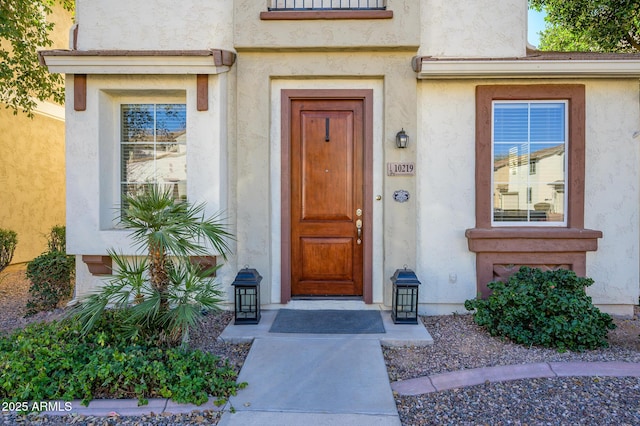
(54, 361)
(161, 290)
(8, 242)
(57, 239)
(50, 275)
(549, 309)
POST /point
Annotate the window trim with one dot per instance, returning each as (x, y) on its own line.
(567, 144)
(155, 143)
(500, 250)
(574, 94)
(324, 14)
(110, 147)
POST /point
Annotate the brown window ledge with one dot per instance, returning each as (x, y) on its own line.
(326, 14)
(532, 239)
(501, 251)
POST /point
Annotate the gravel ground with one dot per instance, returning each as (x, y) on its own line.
(458, 344)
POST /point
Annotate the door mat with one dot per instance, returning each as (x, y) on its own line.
(327, 321)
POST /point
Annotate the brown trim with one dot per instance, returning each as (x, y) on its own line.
(205, 262)
(202, 92)
(75, 36)
(286, 97)
(528, 240)
(326, 14)
(487, 264)
(98, 264)
(575, 94)
(546, 246)
(80, 92)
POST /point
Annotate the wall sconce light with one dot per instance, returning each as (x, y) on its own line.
(402, 139)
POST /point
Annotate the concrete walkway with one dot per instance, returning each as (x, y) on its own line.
(316, 379)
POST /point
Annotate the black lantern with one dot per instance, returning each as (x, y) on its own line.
(247, 296)
(402, 139)
(404, 304)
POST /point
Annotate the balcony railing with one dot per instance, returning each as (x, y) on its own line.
(301, 5)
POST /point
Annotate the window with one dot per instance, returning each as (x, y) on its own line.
(529, 142)
(326, 9)
(291, 5)
(153, 148)
(555, 129)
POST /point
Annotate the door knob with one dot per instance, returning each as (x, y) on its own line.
(359, 229)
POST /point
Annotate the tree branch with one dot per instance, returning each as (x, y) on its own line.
(632, 41)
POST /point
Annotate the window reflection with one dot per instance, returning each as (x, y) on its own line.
(153, 148)
(529, 173)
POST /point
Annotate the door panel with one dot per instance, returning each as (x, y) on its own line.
(326, 192)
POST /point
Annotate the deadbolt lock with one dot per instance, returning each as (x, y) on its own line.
(359, 212)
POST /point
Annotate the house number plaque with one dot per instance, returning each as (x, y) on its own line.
(401, 169)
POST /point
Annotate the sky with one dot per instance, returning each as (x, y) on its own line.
(536, 24)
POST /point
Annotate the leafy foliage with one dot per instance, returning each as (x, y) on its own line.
(587, 25)
(8, 243)
(23, 30)
(549, 309)
(50, 274)
(48, 361)
(163, 293)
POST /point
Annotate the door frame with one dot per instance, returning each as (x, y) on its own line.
(287, 96)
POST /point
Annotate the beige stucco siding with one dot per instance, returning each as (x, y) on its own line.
(157, 25)
(477, 29)
(260, 77)
(446, 197)
(445, 194)
(93, 169)
(32, 164)
(402, 30)
(612, 188)
(32, 190)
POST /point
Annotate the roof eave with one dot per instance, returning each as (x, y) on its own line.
(427, 68)
(137, 62)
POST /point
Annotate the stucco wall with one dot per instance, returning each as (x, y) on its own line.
(446, 201)
(32, 189)
(260, 77)
(612, 189)
(445, 192)
(93, 168)
(156, 25)
(401, 30)
(479, 28)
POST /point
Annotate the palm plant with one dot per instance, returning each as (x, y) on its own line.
(163, 292)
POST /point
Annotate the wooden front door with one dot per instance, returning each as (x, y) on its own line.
(327, 193)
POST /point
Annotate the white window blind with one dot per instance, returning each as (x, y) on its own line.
(529, 142)
(153, 148)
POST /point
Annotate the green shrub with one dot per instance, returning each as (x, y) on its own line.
(55, 361)
(50, 274)
(549, 309)
(57, 239)
(162, 291)
(8, 242)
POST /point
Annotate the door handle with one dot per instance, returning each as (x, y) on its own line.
(359, 229)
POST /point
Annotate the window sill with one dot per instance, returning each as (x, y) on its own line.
(501, 251)
(325, 14)
(534, 239)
